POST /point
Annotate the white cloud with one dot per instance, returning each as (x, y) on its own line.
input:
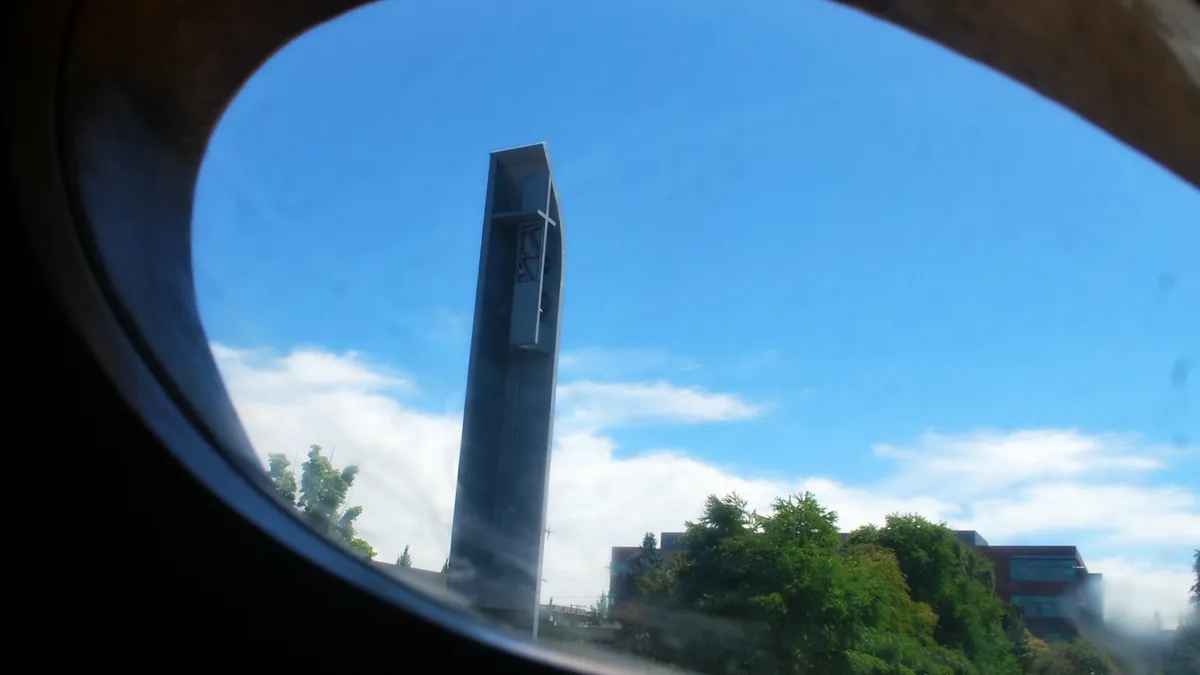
(605, 405)
(259, 374)
(1009, 486)
(1111, 513)
(1135, 589)
(988, 461)
(1048, 481)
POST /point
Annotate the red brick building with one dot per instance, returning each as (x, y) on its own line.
(1051, 585)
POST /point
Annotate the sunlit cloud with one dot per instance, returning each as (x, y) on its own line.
(1135, 590)
(987, 461)
(1109, 513)
(261, 373)
(605, 405)
(1082, 489)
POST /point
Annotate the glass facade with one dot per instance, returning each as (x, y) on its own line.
(1037, 607)
(1028, 568)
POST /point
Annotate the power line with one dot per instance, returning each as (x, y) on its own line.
(582, 581)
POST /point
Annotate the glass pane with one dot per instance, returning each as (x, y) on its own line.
(850, 327)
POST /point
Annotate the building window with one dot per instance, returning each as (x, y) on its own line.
(1034, 607)
(1029, 568)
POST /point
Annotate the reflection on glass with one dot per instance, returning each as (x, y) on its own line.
(871, 360)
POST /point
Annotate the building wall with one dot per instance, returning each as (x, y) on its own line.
(621, 582)
(668, 543)
(622, 585)
(1051, 586)
(971, 538)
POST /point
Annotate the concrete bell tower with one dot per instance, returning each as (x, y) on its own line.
(498, 533)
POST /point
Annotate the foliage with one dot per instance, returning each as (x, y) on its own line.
(601, 607)
(283, 476)
(957, 582)
(787, 593)
(405, 560)
(1077, 657)
(1196, 586)
(1183, 657)
(320, 496)
(782, 593)
(648, 559)
(446, 566)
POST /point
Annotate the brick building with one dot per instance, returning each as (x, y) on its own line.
(1051, 585)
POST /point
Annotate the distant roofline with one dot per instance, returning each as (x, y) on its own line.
(998, 548)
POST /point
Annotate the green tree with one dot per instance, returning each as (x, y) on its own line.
(895, 633)
(283, 476)
(405, 560)
(1028, 648)
(446, 566)
(1183, 658)
(321, 496)
(1077, 657)
(1196, 585)
(781, 594)
(600, 608)
(649, 558)
(667, 619)
(957, 582)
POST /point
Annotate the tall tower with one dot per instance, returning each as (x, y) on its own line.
(498, 532)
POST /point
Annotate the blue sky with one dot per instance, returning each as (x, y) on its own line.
(860, 238)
